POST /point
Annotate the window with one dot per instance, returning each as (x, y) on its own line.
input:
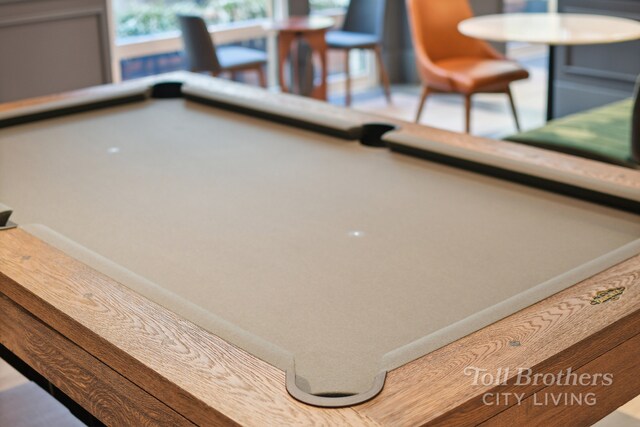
(147, 31)
(526, 6)
(149, 17)
(148, 39)
(319, 5)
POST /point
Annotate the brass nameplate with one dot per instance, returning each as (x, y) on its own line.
(612, 294)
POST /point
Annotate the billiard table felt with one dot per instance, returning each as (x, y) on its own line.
(301, 248)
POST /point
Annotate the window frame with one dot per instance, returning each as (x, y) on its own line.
(137, 46)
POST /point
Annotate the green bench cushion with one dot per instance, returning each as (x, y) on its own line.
(602, 133)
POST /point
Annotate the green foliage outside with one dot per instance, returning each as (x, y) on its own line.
(328, 4)
(144, 17)
(151, 17)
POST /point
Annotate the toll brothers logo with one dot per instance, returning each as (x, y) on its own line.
(566, 379)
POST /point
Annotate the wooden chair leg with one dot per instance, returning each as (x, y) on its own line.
(262, 78)
(467, 113)
(383, 74)
(513, 108)
(347, 72)
(423, 100)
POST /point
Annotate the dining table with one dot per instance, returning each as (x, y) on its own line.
(552, 29)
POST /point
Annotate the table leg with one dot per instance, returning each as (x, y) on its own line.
(284, 48)
(318, 44)
(550, 82)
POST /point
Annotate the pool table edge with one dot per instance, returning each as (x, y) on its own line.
(107, 395)
(545, 159)
(145, 343)
(622, 360)
(245, 381)
(204, 378)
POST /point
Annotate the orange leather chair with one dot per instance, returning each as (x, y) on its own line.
(453, 63)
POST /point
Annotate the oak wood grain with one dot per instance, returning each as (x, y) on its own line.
(202, 377)
(623, 362)
(106, 394)
(564, 330)
(205, 377)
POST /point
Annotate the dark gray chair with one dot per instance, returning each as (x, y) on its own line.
(202, 54)
(362, 29)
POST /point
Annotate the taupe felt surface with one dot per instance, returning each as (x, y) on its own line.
(300, 248)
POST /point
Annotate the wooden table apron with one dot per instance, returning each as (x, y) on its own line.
(106, 346)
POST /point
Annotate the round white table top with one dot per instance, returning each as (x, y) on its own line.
(551, 28)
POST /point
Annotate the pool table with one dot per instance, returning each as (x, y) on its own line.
(184, 250)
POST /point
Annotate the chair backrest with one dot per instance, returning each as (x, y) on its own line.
(365, 16)
(199, 49)
(435, 30)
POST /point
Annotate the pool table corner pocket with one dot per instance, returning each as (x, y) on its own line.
(166, 90)
(5, 215)
(336, 400)
(372, 134)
